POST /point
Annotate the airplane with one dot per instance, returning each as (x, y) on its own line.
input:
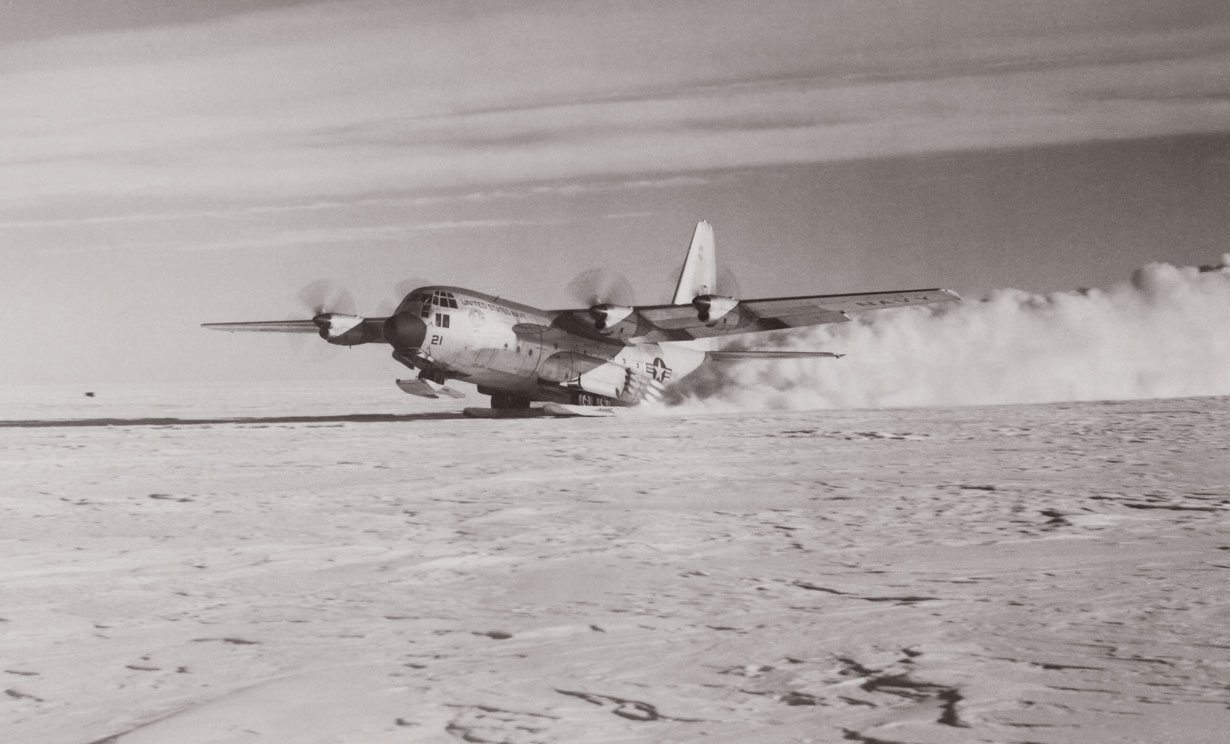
(583, 360)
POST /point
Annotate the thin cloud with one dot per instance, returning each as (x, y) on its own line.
(241, 211)
(295, 239)
(336, 101)
(629, 215)
(368, 234)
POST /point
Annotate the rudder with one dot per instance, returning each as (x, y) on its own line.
(699, 273)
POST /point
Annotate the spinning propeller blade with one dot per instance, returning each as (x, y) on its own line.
(728, 283)
(599, 286)
(400, 290)
(326, 296)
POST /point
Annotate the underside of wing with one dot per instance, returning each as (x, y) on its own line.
(267, 326)
(655, 323)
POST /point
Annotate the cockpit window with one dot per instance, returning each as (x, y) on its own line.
(443, 299)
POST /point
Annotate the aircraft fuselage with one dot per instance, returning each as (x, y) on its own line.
(508, 348)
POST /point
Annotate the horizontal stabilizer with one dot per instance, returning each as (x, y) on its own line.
(739, 356)
(267, 326)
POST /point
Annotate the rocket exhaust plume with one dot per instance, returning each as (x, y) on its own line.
(1166, 333)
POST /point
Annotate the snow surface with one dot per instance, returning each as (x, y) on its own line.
(349, 565)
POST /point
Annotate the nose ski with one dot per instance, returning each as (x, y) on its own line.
(428, 389)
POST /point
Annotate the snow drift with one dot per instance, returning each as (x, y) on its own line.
(1165, 333)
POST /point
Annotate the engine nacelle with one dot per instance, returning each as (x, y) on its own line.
(342, 329)
(606, 315)
(710, 308)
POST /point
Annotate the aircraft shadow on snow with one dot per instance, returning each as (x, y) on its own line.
(349, 418)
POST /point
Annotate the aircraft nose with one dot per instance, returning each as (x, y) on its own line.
(404, 331)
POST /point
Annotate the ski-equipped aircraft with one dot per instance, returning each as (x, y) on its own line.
(582, 360)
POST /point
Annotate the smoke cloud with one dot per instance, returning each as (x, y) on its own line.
(1166, 333)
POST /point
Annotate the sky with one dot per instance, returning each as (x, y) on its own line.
(165, 163)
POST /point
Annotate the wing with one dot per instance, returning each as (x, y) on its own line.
(336, 328)
(267, 326)
(682, 322)
(743, 356)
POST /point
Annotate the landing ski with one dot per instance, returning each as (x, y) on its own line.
(428, 389)
(564, 409)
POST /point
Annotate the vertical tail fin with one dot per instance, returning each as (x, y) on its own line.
(699, 274)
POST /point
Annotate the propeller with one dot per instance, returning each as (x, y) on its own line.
(400, 290)
(316, 298)
(601, 286)
(406, 286)
(727, 283)
(326, 296)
